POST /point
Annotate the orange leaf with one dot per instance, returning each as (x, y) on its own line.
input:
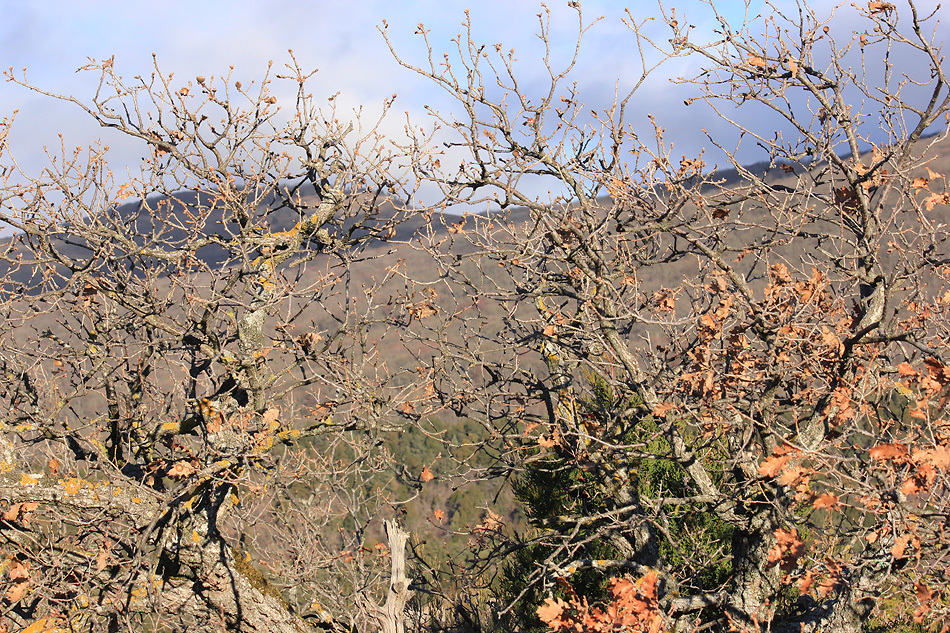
(924, 595)
(550, 330)
(786, 551)
(270, 416)
(895, 451)
(826, 501)
(938, 457)
(880, 7)
(102, 560)
(439, 515)
(19, 573)
(20, 512)
(550, 612)
(776, 461)
(181, 470)
(426, 474)
(805, 582)
(793, 476)
(758, 62)
(904, 369)
(662, 409)
(900, 545)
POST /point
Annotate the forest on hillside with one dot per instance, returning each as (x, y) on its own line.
(271, 382)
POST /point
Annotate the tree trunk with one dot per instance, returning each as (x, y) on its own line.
(391, 615)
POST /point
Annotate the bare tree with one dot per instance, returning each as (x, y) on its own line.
(737, 370)
(192, 390)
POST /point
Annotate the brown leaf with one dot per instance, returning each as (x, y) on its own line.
(786, 551)
(550, 612)
(933, 200)
(426, 474)
(924, 595)
(805, 582)
(105, 554)
(423, 309)
(904, 369)
(20, 512)
(550, 330)
(19, 573)
(758, 62)
(826, 501)
(181, 470)
(660, 410)
(880, 7)
(270, 416)
(937, 457)
(895, 451)
(776, 461)
(900, 545)
(794, 475)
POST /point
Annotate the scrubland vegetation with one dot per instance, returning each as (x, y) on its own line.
(270, 382)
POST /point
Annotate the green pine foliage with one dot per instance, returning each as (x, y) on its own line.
(558, 485)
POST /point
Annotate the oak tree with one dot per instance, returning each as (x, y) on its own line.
(774, 336)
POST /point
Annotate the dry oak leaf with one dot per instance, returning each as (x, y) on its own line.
(439, 515)
(105, 555)
(776, 462)
(550, 613)
(919, 481)
(895, 451)
(786, 551)
(662, 409)
(938, 198)
(904, 369)
(901, 543)
(794, 476)
(548, 443)
(880, 7)
(182, 469)
(20, 512)
(924, 595)
(19, 573)
(827, 501)
(937, 457)
(426, 474)
(270, 417)
(805, 582)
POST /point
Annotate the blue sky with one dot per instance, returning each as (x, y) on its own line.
(52, 38)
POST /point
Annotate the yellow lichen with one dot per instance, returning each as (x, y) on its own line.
(30, 479)
(73, 485)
